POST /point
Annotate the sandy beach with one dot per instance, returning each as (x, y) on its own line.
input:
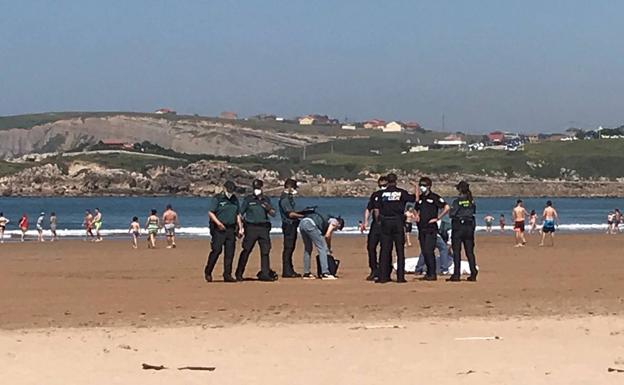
(76, 312)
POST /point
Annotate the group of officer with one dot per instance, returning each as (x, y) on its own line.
(251, 221)
(388, 208)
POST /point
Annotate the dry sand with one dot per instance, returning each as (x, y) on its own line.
(75, 312)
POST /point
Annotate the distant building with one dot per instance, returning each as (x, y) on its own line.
(412, 126)
(496, 137)
(117, 144)
(350, 127)
(393, 127)
(419, 148)
(451, 141)
(228, 115)
(375, 124)
(165, 111)
(533, 138)
(306, 121)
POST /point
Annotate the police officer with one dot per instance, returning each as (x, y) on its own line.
(430, 208)
(374, 233)
(390, 211)
(225, 226)
(290, 223)
(255, 211)
(463, 223)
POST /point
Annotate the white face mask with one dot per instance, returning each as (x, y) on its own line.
(257, 192)
(423, 189)
(293, 191)
(383, 187)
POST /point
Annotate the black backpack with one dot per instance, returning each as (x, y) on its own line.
(332, 264)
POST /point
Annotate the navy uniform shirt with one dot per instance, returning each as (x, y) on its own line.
(428, 207)
(372, 203)
(286, 206)
(225, 209)
(392, 201)
(253, 209)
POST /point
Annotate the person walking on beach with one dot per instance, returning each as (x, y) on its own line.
(290, 223)
(489, 221)
(4, 221)
(390, 212)
(88, 225)
(532, 222)
(617, 220)
(152, 225)
(256, 211)
(519, 215)
(135, 231)
(462, 213)
(550, 220)
(374, 234)
(23, 225)
(53, 222)
(170, 222)
(39, 226)
(317, 230)
(409, 224)
(430, 208)
(97, 224)
(225, 225)
(501, 223)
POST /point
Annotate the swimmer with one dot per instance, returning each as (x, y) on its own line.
(152, 225)
(551, 219)
(135, 231)
(489, 221)
(519, 215)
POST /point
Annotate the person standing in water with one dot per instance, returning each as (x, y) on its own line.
(501, 223)
(152, 225)
(617, 220)
(97, 223)
(519, 215)
(135, 231)
(53, 222)
(551, 219)
(489, 221)
(88, 225)
(463, 223)
(39, 226)
(4, 221)
(532, 222)
(170, 222)
(23, 225)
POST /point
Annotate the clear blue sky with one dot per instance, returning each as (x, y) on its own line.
(516, 65)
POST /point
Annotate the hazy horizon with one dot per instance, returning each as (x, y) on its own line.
(516, 66)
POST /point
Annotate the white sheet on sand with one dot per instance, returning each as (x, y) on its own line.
(410, 266)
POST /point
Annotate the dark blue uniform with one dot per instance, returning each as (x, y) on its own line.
(428, 207)
(289, 230)
(374, 235)
(391, 208)
(463, 223)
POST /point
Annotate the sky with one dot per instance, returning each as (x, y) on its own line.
(527, 66)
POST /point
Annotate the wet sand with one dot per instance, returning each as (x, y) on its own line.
(71, 303)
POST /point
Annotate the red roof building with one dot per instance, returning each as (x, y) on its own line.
(496, 137)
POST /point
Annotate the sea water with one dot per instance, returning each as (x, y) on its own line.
(576, 214)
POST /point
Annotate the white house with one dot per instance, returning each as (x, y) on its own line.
(393, 127)
(419, 148)
(451, 141)
(350, 127)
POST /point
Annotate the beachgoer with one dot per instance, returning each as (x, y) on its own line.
(97, 224)
(430, 208)
(225, 225)
(501, 223)
(4, 221)
(152, 225)
(409, 224)
(256, 211)
(88, 224)
(519, 215)
(170, 222)
(617, 220)
(610, 219)
(390, 212)
(374, 234)
(532, 221)
(489, 221)
(463, 222)
(53, 223)
(316, 230)
(290, 223)
(550, 220)
(39, 226)
(23, 225)
(135, 231)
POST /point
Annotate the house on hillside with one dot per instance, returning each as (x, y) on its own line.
(165, 111)
(452, 140)
(228, 115)
(375, 124)
(116, 144)
(350, 127)
(393, 126)
(533, 138)
(412, 126)
(306, 120)
(496, 137)
(419, 148)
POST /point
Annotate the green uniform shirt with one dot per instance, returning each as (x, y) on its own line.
(225, 209)
(253, 211)
(287, 206)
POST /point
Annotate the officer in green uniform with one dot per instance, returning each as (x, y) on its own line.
(225, 226)
(255, 210)
(463, 223)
